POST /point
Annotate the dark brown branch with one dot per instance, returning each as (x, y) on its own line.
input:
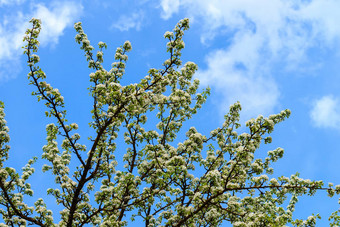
(15, 209)
(54, 105)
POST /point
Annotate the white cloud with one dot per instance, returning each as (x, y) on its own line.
(235, 82)
(124, 23)
(11, 2)
(324, 16)
(326, 112)
(262, 33)
(55, 18)
(169, 7)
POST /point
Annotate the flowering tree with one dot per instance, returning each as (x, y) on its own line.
(201, 181)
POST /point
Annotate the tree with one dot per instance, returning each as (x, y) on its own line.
(201, 181)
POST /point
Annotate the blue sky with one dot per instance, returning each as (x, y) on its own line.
(268, 54)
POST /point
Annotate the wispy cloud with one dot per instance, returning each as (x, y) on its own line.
(236, 82)
(326, 112)
(127, 22)
(323, 15)
(263, 33)
(10, 2)
(55, 18)
(169, 7)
